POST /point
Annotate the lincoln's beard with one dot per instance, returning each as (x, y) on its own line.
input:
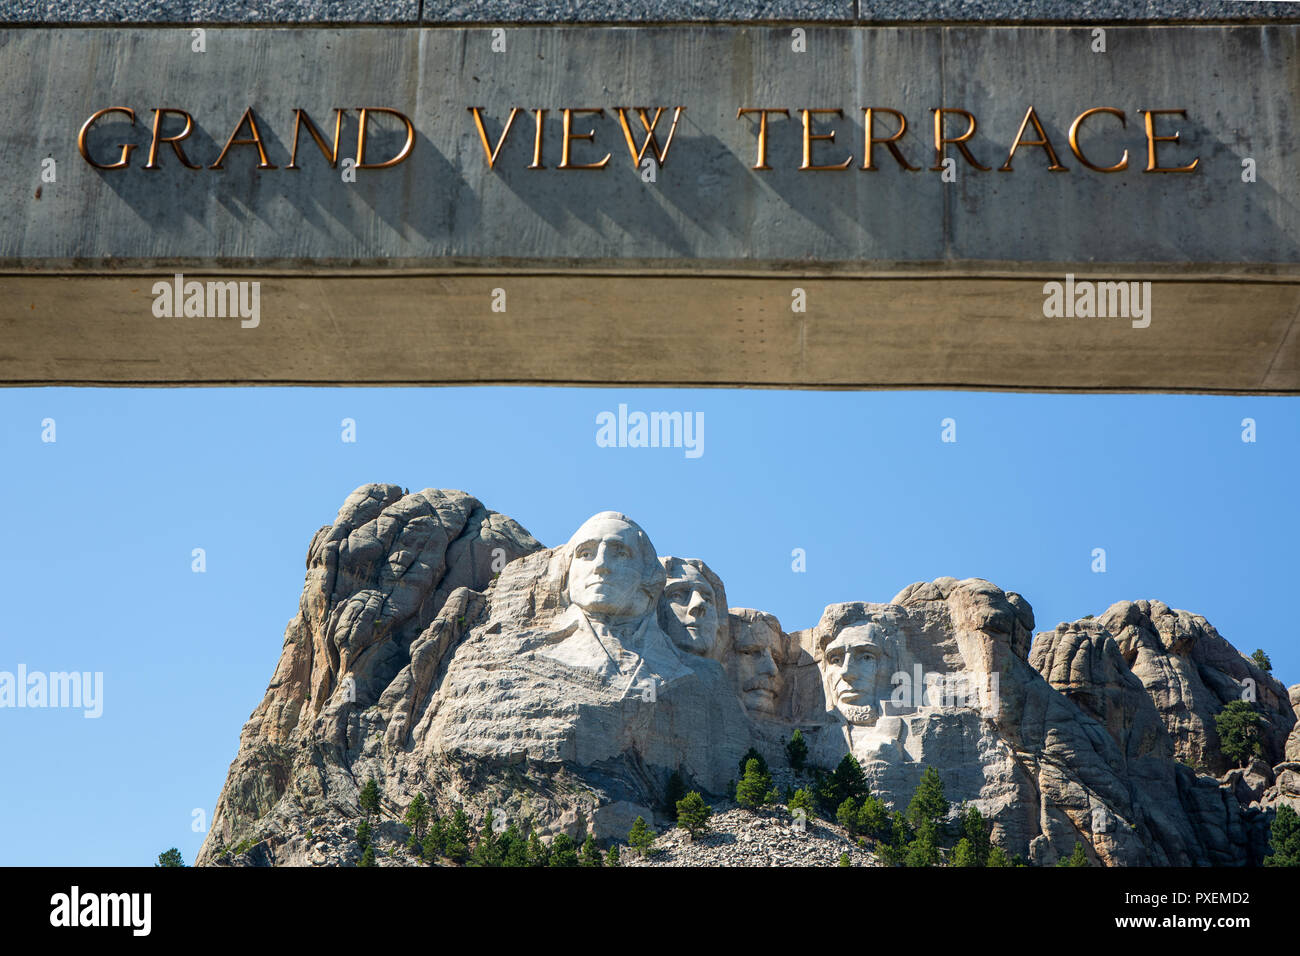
(858, 714)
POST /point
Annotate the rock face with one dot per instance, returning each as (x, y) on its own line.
(442, 650)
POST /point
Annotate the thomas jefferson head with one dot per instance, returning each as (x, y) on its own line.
(693, 609)
(612, 571)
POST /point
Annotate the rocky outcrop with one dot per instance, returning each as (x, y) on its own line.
(442, 650)
(1293, 742)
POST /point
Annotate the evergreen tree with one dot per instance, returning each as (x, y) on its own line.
(928, 803)
(369, 798)
(562, 851)
(693, 814)
(368, 858)
(457, 837)
(754, 785)
(998, 857)
(1284, 838)
(874, 819)
(752, 754)
(416, 817)
(673, 793)
(796, 751)
(1239, 727)
(976, 833)
(640, 838)
(613, 859)
(802, 800)
(170, 857)
(847, 815)
(1261, 661)
(847, 780)
(487, 849)
(435, 840)
(539, 854)
(963, 854)
(514, 846)
(894, 850)
(1077, 858)
(844, 859)
(363, 834)
(591, 855)
(924, 848)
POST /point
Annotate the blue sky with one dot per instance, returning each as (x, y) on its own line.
(104, 520)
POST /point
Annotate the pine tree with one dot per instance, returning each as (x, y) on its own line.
(796, 751)
(539, 854)
(844, 859)
(368, 858)
(873, 818)
(847, 815)
(641, 838)
(435, 840)
(963, 854)
(591, 855)
(673, 792)
(754, 785)
(562, 851)
(752, 754)
(363, 834)
(802, 800)
(614, 857)
(170, 857)
(928, 803)
(487, 849)
(369, 798)
(976, 832)
(998, 857)
(1284, 838)
(924, 848)
(456, 846)
(417, 815)
(1077, 858)
(1261, 661)
(1239, 727)
(847, 780)
(693, 814)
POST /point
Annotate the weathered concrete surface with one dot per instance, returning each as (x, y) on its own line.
(578, 11)
(597, 330)
(1239, 86)
(966, 261)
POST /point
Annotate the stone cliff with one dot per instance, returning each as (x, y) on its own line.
(442, 650)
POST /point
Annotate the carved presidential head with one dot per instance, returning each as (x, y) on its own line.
(610, 570)
(859, 648)
(693, 609)
(755, 658)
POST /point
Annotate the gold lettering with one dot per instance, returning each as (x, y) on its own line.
(1074, 139)
(569, 136)
(537, 140)
(1153, 165)
(174, 141)
(762, 132)
(483, 137)
(1043, 141)
(650, 140)
(809, 136)
(256, 140)
(124, 158)
(889, 142)
(941, 142)
(361, 139)
(300, 117)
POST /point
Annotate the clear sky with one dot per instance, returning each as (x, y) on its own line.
(103, 522)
